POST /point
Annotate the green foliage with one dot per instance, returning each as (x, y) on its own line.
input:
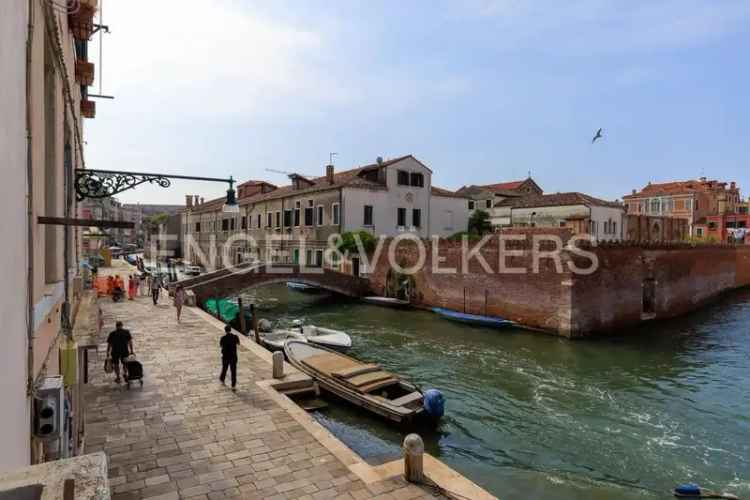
(348, 242)
(479, 223)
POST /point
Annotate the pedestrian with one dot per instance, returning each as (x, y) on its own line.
(155, 288)
(228, 344)
(179, 300)
(132, 286)
(143, 284)
(119, 347)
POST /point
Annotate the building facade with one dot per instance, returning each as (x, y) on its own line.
(44, 79)
(293, 223)
(581, 213)
(692, 200)
(485, 197)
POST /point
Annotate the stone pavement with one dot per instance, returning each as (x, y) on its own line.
(185, 435)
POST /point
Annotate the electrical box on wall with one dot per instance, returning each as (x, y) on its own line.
(48, 409)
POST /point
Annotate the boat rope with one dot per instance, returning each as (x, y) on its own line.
(429, 483)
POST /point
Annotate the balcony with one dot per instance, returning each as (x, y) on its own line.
(84, 72)
(88, 108)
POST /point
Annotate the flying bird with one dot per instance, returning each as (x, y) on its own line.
(597, 136)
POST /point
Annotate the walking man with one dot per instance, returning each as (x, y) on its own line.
(119, 347)
(155, 288)
(228, 344)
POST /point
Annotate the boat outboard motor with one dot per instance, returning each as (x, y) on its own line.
(434, 403)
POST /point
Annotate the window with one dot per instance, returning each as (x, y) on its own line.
(699, 231)
(243, 222)
(287, 218)
(319, 258)
(260, 221)
(320, 215)
(488, 204)
(231, 224)
(296, 214)
(401, 217)
(417, 179)
(562, 223)
(335, 214)
(197, 227)
(416, 217)
(614, 227)
(309, 214)
(403, 178)
(471, 204)
(368, 215)
(269, 219)
(278, 219)
(225, 224)
(310, 203)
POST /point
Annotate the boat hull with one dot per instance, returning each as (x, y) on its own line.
(473, 319)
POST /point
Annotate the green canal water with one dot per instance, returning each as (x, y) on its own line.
(534, 416)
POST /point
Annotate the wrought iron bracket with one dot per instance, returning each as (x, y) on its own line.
(91, 183)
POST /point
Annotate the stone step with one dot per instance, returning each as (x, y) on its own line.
(293, 381)
(301, 391)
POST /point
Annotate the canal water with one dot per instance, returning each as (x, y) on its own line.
(534, 416)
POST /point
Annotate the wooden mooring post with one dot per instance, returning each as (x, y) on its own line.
(243, 330)
(254, 321)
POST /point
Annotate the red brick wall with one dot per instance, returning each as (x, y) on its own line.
(574, 305)
(539, 300)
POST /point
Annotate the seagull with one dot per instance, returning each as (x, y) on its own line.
(597, 136)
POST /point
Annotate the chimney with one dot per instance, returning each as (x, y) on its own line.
(196, 200)
(634, 191)
(732, 185)
(703, 179)
(189, 200)
(329, 174)
(202, 200)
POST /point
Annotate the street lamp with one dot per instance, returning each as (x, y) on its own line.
(91, 183)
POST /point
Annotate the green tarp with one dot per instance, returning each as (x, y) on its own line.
(227, 309)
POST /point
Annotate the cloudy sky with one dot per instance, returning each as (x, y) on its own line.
(480, 90)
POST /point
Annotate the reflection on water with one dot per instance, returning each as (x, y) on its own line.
(535, 416)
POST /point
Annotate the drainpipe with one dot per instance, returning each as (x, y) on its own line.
(29, 222)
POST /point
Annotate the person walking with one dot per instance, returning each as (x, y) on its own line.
(132, 286)
(179, 300)
(228, 344)
(119, 347)
(155, 288)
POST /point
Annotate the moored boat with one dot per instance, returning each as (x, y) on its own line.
(386, 301)
(364, 384)
(275, 340)
(302, 287)
(473, 319)
(326, 337)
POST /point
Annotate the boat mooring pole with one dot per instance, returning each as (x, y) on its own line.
(242, 315)
(254, 321)
(413, 458)
(278, 364)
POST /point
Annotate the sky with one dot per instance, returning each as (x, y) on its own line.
(482, 91)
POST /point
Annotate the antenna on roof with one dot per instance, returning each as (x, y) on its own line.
(330, 157)
(529, 177)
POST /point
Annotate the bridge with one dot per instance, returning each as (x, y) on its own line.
(229, 281)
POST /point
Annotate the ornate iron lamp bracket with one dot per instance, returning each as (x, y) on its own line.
(105, 183)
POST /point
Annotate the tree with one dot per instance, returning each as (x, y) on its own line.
(479, 223)
(348, 242)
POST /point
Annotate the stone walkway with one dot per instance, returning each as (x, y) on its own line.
(185, 435)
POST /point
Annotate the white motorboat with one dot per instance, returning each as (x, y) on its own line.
(275, 340)
(326, 337)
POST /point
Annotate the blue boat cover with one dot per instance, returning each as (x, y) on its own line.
(688, 489)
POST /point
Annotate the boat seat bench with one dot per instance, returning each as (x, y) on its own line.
(357, 370)
(409, 398)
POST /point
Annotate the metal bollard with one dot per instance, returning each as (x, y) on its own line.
(278, 364)
(413, 458)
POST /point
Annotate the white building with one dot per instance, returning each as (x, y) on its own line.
(581, 213)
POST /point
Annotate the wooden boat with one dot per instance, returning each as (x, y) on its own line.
(302, 287)
(474, 319)
(363, 384)
(387, 301)
(326, 337)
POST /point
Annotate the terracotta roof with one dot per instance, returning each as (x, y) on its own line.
(678, 187)
(436, 191)
(556, 200)
(347, 178)
(478, 191)
(504, 186)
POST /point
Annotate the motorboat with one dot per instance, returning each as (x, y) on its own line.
(275, 340)
(326, 337)
(387, 302)
(365, 385)
(473, 319)
(302, 287)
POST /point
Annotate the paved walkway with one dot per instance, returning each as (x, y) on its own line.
(185, 435)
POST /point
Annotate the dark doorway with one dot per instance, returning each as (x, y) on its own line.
(649, 297)
(355, 266)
